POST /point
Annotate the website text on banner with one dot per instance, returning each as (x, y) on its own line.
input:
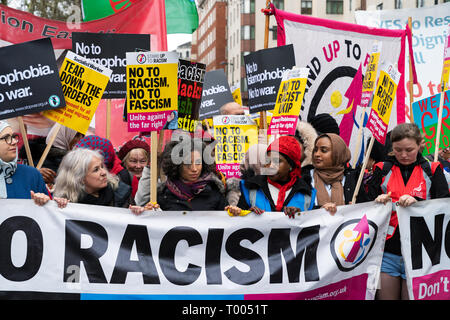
(152, 89)
(234, 135)
(83, 83)
(90, 250)
(425, 240)
(429, 27)
(147, 18)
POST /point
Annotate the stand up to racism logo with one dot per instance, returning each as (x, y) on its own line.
(352, 242)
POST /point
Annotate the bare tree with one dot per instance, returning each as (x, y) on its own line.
(50, 9)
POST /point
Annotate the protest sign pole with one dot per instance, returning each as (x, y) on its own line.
(153, 166)
(49, 145)
(23, 131)
(361, 173)
(410, 86)
(108, 119)
(439, 124)
(263, 114)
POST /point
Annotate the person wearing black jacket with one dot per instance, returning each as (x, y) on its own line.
(192, 183)
(405, 177)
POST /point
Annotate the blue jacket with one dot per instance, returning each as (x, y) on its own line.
(255, 192)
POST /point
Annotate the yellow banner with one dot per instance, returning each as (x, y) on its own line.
(384, 97)
(83, 83)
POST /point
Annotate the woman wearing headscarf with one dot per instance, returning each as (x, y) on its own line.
(279, 187)
(332, 176)
(17, 181)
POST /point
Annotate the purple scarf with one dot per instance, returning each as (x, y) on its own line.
(187, 191)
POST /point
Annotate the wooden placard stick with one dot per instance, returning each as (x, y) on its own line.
(410, 87)
(361, 174)
(439, 124)
(49, 145)
(108, 119)
(154, 167)
(23, 132)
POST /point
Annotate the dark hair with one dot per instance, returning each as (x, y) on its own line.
(406, 130)
(184, 149)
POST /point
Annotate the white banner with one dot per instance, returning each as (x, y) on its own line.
(95, 251)
(429, 30)
(425, 239)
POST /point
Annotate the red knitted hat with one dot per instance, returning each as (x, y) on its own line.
(289, 147)
(130, 145)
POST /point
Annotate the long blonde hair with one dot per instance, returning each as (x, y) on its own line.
(69, 182)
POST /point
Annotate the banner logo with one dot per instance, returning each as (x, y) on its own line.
(141, 59)
(352, 242)
(225, 120)
(54, 101)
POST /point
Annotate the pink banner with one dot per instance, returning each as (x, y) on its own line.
(433, 286)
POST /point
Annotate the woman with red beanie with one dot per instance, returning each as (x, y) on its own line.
(280, 186)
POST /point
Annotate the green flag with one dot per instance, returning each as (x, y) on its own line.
(181, 15)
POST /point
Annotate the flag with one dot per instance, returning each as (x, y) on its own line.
(145, 18)
(334, 52)
(181, 15)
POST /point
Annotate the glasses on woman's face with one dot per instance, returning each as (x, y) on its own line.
(10, 139)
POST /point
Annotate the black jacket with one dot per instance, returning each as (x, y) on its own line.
(260, 182)
(211, 198)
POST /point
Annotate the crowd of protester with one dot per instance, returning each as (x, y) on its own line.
(292, 174)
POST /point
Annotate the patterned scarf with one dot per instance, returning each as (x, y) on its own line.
(187, 191)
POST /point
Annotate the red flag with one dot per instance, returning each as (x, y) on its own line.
(148, 17)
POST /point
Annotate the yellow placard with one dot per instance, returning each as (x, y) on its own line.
(290, 97)
(384, 97)
(371, 72)
(83, 83)
(237, 95)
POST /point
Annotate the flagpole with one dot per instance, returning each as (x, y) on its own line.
(263, 114)
(410, 86)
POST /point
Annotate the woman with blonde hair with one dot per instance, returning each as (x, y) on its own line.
(83, 178)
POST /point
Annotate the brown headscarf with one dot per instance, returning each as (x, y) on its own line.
(334, 174)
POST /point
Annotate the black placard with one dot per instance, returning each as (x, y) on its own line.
(109, 50)
(216, 92)
(29, 79)
(264, 69)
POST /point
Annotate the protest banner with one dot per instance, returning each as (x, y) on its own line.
(151, 89)
(264, 69)
(334, 53)
(109, 50)
(191, 76)
(83, 83)
(371, 74)
(289, 101)
(96, 252)
(425, 242)
(216, 93)
(147, 17)
(426, 114)
(383, 101)
(234, 135)
(29, 81)
(429, 26)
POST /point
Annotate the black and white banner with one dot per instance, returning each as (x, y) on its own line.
(94, 251)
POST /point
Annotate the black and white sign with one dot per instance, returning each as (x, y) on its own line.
(109, 50)
(216, 92)
(264, 69)
(29, 80)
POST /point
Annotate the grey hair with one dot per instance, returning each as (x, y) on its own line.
(69, 182)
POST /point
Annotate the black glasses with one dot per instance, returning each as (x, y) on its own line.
(10, 139)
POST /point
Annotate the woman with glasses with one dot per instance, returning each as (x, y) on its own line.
(16, 181)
